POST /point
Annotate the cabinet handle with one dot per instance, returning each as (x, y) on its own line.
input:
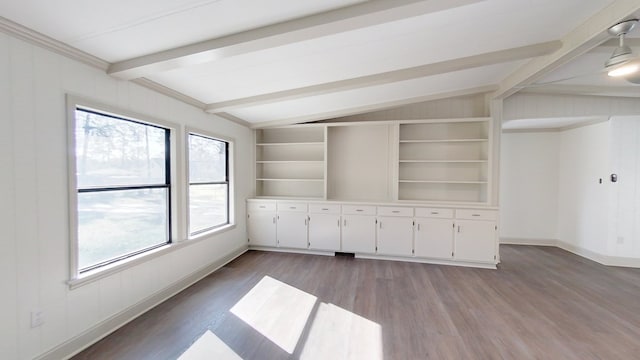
(305, 221)
(274, 219)
(292, 207)
(338, 222)
(325, 209)
(434, 213)
(458, 228)
(380, 224)
(475, 214)
(395, 211)
(262, 207)
(418, 227)
(345, 223)
(359, 210)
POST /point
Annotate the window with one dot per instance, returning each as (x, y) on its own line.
(122, 185)
(208, 183)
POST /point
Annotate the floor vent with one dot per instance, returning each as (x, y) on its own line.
(345, 254)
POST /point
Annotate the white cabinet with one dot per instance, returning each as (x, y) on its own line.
(292, 225)
(324, 227)
(395, 231)
(359, 229)
(434, 238)
(261, 224)
(475, 240)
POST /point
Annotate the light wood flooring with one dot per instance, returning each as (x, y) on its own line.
(542, 303)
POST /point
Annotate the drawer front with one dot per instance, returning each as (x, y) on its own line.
(324, 208)
(471, 214)
(292, 206)
(262, 206)
(358, 210)
(434, 213)
(395, 211)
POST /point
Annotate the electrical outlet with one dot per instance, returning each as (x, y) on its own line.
(37, 318)
(620, 240)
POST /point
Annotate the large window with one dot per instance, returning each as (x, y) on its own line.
(208, 183)
(123, 188)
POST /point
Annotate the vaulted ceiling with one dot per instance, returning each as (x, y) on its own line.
(268, 62)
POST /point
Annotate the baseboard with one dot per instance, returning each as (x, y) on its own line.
(599, 258)
(111, 324)
(528, 241)
(293, 251)
(585, 253)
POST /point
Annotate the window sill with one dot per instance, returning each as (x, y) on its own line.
(97, 274)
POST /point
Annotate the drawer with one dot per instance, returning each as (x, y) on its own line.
(434, 213)
(476, 214)
(395, 211)
(262, 206)
(292, 206)
(358, 210)
(324, 208)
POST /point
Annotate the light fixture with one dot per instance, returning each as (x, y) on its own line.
(619, 63)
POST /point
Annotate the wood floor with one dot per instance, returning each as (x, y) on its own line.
(542, 303)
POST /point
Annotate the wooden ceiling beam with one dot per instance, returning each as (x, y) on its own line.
(354, 17)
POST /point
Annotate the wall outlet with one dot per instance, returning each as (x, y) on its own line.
(37, 318)
(620, 240)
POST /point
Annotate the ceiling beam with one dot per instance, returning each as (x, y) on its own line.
(594, 90)
(585, 37)
(494, 57)
(358, 16)
(376, 107)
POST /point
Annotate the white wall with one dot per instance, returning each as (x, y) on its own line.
(624, 239)
(34, 260)
(583, 211)
(529, 186)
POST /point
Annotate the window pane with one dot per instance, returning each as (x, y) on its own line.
(112, 224)
(207, 206)
(111, 151)
(207, 160)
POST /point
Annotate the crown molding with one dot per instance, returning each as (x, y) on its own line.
(24, 33)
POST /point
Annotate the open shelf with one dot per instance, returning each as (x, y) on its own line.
(290, 162)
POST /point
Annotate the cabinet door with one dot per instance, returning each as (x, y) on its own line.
(395, 236)
(359, 234)
(262, 228)
(324, 232)
(475, 241)
(292, 230)
(434, 238)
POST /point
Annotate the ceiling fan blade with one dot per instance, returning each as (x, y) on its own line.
(633, 78)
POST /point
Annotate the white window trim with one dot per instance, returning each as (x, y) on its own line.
(231, 158)
(176, 145)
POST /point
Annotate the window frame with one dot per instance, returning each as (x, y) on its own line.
(230, 154)
(172, 146)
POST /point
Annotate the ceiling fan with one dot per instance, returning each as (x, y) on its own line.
(622, 63)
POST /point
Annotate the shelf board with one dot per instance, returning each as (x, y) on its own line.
(441, 141)
(289, 143)
(311, 180)
(444, 181)
(290, 162)
(443, 161)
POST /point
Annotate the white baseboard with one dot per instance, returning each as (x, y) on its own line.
(111, 324)
(585, 253)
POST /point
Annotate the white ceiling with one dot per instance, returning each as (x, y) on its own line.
(288, 61)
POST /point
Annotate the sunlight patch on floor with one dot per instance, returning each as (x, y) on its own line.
(277, 311)
(337, 333)
(208, 347)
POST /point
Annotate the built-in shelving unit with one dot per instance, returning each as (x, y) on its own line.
(444, 160)
(290, 162)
